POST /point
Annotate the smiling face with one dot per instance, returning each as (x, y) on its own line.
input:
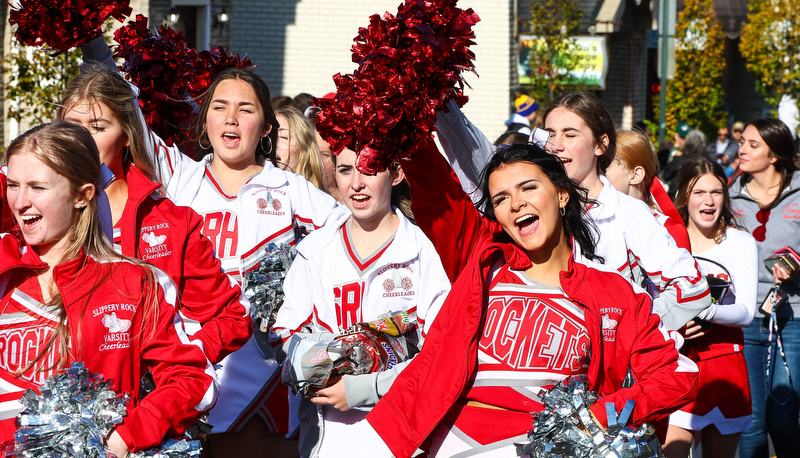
(286, 149)
(43, 204)
(369, 197)
(573, 142)
(754, 154)
(704, 204)
(106, 130)
(527, 206)
(235, 123)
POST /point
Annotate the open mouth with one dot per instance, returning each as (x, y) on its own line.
(229, 138)
(527, 224)
(708, 213)
(360, 200)
(30, 220)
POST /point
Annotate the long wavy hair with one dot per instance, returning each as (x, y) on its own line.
(97, 83)
(264, 99)
(582, 230)
(70, 151)
(689, 173)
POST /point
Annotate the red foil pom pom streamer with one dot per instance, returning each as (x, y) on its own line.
(410, 66)
(63, 24)
(170, 75)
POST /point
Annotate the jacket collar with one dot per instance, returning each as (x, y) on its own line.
(606, 203)
(139, 186)
(14, 255)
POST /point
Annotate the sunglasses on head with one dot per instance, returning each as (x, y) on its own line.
(760, 233)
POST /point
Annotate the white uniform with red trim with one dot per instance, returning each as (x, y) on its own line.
(634, 243)
(329, 287)
(723, 389)
(277, 204)
(534, 337)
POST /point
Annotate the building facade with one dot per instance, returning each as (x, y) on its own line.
(298, 45)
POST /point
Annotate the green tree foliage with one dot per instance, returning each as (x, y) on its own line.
(554, 23)
(695, 94)
(770, 42)
(36, 81)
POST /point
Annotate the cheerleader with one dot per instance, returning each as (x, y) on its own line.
(368, 261)
(237, 127)
(631, 240)
(523, 314)
(633, 172)
(73, 298)
(722, 408)
(583, 136)
(148, 225)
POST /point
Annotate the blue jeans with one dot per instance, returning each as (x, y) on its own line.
(776, 402)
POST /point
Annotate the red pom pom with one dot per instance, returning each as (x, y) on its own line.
(410, 66)
(170, 75)
(64, 24)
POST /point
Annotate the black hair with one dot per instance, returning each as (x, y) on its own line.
(507, 138)
(582, 229)
(779, 139)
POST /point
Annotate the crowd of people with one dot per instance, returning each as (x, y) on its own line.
(561, 249)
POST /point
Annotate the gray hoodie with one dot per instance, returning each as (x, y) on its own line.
(783, 229)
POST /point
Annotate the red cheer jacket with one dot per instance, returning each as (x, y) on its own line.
(468, 244)
(156, 230)
(185, 382)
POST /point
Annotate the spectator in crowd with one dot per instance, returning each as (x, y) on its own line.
(524, 115)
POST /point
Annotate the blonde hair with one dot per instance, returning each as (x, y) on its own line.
(309, 158)
(634, 149)
(70, 151)
(97, 83)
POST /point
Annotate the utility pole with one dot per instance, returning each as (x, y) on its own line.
(666, 47)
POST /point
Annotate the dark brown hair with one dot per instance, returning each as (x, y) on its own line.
(689, 173)
(595, 114)
(264, 99)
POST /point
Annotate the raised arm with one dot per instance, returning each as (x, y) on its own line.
(443, 210)
(467, 149)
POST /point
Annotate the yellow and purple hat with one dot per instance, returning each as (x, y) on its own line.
(525, 105)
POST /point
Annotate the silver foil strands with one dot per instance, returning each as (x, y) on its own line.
(361, 349)
(263, 285)
(73, 415)
(565, 428)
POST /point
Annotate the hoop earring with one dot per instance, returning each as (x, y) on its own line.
(267, 151)
(200, 142)
(563, 210)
